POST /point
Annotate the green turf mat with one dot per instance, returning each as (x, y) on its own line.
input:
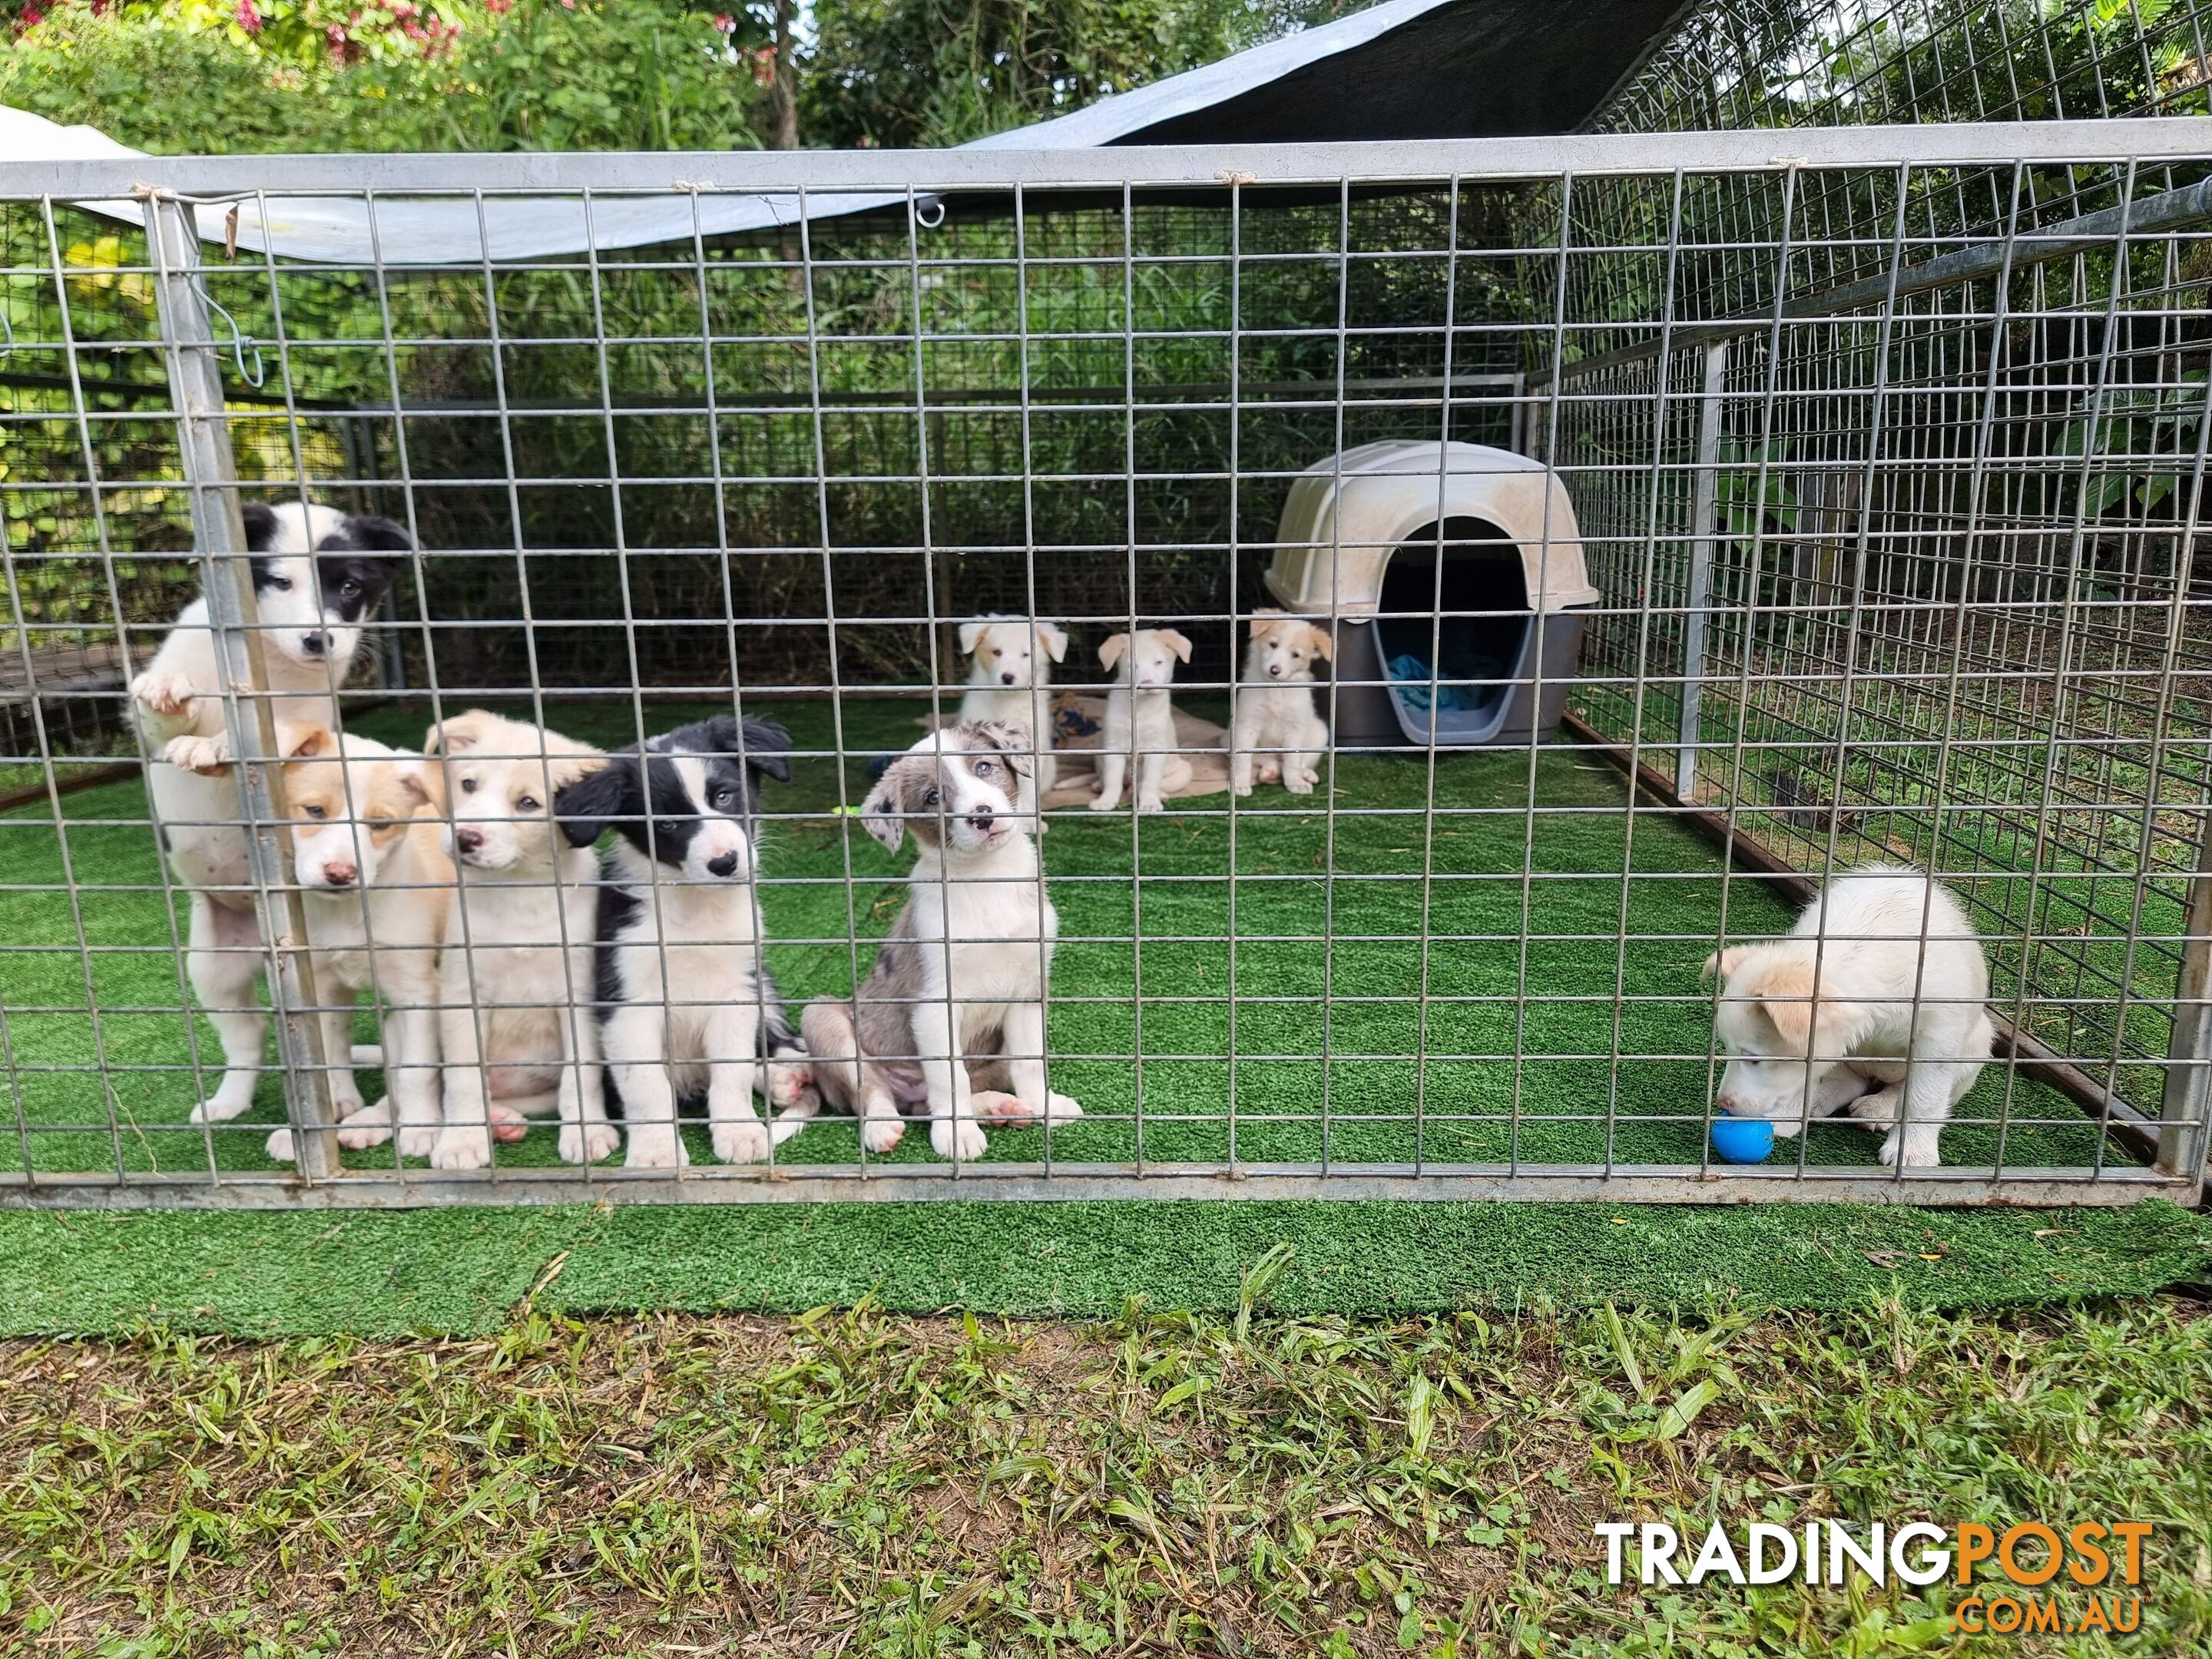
(459, 1271)
(1561, 937)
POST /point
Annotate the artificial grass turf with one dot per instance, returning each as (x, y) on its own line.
(461, 1271)
(1617, 910)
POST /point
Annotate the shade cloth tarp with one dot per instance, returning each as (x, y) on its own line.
(1407, 69)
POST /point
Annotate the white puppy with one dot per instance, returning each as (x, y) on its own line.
(1274, 727)
(374, 886)
(515, 981)
(1896, 1028)
(316, 574)
(952, 1014)
(1010, 680)
(1140, 718)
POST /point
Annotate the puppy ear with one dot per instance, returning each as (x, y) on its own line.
(1263, 619)
(1175, 642)
(1009, 741)
(1784, 992)
(585, 806)
(768, 748)
(1723, 962)
(372, 534)
(971, 635)
(260, 525)
(879, 816)
(304, 740)
(1323, 645)
(424, 788)
(1053, 638)
(460, 733)
(1111, 651)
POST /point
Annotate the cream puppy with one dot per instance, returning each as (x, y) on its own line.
(1010, 680)
(1875, 1001)
(515, 982)
(1275, 729)
(1140, 718)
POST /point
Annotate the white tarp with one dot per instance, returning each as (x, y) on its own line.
(403, 231)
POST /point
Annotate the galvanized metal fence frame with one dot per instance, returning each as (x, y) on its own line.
(2173, 1138)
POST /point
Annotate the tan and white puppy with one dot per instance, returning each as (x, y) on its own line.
(951, 1017)
(1274, 731)
(1140, 718)
(1010, 680)
(373, 885)
(1875, 1001)
(317, 573)
(515, 1020)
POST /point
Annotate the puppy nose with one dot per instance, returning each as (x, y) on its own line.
(316, 643)
(723, 864)
(1007, 677)
(468, 839)
(981, 818)
(1274, 671)
(339, 875)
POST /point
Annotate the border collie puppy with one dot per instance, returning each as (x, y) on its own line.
(685, 1004)
(951, 1017)
(1274, 726)
(516, 1039)
(1010, 680)
(316, 574)
(1140, 718)
(1875, 1003)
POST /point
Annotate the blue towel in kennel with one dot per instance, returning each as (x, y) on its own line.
(1412, 676)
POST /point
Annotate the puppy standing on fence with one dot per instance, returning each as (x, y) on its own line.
(1876, 1002)
(684, 1003)
(953, 1014)
(316, 574)
(1010, 680)
(1275, 729)
(1140, 718)
(514, 984)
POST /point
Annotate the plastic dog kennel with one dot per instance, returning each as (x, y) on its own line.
(1483, 650)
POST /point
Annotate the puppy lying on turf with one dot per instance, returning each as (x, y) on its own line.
(951, 1017)
(1882, 969)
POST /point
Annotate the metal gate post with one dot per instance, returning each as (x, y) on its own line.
(1705, 497)
(219, 532)
(2182, 1135)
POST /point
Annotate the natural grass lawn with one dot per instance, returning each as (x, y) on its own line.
(1327, 1017)
(1160, 1483)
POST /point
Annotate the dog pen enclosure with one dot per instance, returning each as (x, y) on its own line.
(1881, 450)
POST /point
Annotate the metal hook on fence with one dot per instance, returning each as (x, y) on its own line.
(239, 341)
(922, 208)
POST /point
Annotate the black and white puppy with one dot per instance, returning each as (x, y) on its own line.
(316, 574)
(685, 1004)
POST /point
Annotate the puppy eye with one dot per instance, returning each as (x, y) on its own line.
(316, 812)
(725, 799)
(348, 589)
(930, 798)
(526, 804)
(280, 584)
(982, 768)
(468, 785)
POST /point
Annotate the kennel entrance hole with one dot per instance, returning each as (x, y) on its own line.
(1452, 603)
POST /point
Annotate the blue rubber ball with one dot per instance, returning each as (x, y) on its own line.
(1742, 1140)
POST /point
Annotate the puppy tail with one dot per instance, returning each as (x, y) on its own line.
(827, 1029)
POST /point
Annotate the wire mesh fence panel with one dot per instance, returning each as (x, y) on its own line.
(1328, 669)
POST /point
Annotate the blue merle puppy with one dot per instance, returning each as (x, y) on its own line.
(685, 1004)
